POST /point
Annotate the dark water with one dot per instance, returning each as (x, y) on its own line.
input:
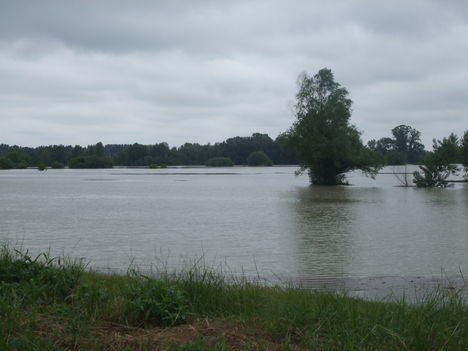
(252, 221)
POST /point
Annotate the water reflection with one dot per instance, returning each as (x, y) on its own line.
(362, 232)
(323, 217)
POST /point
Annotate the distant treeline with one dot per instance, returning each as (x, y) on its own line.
(237, 149)
(404, 146)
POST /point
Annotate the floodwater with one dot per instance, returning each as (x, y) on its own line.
(258, 222)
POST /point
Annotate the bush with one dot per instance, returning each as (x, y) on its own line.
(41, 167)
(6, 163)
(439, 164)
(219, 162)
(156, 301)
(57, 165)
(22, 165)
(90, 162)
(39, 276)
(259, 158)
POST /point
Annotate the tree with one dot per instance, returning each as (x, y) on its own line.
(407, 141)
(464, 152)
(90, 162)
(327, 145)
(259, 158)
(405, 146)
(5, 163)
(439, 164)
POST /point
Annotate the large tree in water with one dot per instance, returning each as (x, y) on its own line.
(328, 145)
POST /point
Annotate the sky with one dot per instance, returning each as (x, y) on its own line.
(115, 71)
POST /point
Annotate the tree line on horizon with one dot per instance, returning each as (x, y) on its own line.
(404, 146)
(237, 150)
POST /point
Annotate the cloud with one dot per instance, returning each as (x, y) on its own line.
(82, 71)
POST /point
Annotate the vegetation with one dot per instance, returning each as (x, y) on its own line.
(237, 149)
(405, 146)
(440, 164)
(327, 145)
(259, 158)
(57, 165)
(464, 152)
(90, 162)
(219, 162)
(52, 304)
(41, 167)
(6, 163)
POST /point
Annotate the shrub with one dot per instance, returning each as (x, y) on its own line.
(156, 301)
(6, 163)
(90, 162)
(219, 162)
(438, 165)
(39, 276)
(57, 165)
(41, 167)
(259, 158)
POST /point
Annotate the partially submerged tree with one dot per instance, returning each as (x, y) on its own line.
(405, 146)
(439, 165)
(328, 145)
(259, 158)
(464, 152)
(407, 142)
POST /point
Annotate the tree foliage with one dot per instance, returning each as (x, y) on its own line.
(259, 158)
(328, 145)
(237, 149)
(464, 152)
(219, 162)
(405, 146)
(92, 161)
(439, 165)
(6, 163)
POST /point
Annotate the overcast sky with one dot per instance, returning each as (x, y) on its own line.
(83, 71)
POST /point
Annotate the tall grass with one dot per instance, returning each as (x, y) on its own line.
(54, 304)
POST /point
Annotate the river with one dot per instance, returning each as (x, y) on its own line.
(257, 222)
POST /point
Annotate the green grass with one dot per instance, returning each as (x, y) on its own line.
(55, 304)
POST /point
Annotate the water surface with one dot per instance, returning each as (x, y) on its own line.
(255, 221)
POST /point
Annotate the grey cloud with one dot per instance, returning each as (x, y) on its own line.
(203, 71)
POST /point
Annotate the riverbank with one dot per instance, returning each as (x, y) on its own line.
(54, 304)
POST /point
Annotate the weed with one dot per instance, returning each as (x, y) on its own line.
(156, 301)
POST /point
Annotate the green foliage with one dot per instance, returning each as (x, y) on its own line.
(407, 141)
(47, 305)
(20, 160)
(199, 344)
(328, 146)
(6, 163)
(90, 162)
(405, 146)
(259, 158)
(438, 165)
(41, 167)
(57, 165)
(219, 162)
(464, 152)
(237, 149)
(38, 276)
(156, 301)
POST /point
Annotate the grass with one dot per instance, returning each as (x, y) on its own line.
(55, 304)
